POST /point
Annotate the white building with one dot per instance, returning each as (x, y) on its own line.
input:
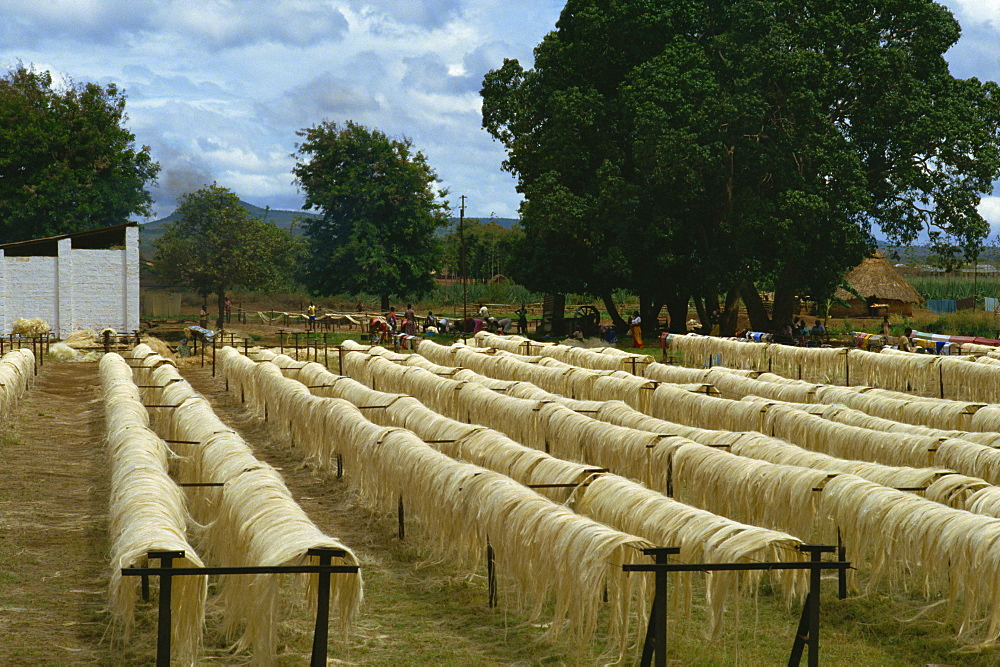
(88, 280)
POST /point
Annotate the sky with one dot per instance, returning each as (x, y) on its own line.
(218, 88)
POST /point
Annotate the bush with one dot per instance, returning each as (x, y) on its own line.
(965, 323)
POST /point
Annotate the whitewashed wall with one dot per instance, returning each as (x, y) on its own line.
(79, 289)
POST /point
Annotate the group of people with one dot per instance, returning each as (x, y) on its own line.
(798, 332)
(904, 341)
(391, 323)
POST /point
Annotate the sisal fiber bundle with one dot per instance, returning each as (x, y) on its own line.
(251, 520)
(464, 505)
(146, 512)
(489, 448)
(708, 475)
(30, 327)
(16, 377)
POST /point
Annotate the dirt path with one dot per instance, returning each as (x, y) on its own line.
(53, 514)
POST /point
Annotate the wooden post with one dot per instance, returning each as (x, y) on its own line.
(400, 517)
(322, 629)
(491, 575)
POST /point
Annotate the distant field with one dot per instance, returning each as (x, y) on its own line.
(958, 287)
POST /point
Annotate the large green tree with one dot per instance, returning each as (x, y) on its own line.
(67, 163)
(380, 211)
(216, 246)
(706, 149)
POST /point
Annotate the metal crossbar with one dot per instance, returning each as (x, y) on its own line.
(167, 572)
(655, 645)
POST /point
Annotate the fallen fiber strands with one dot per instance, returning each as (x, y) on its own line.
(146, 512)
(573, 559)
(252, 520)
(708, 476)
(618, 502)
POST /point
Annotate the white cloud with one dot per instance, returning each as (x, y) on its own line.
(983, 11)
(989, 208)
(218, 88)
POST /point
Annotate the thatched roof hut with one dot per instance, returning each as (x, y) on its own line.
(883, 289)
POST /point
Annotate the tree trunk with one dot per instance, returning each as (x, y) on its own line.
(785, 306)
(702, 310)
(644, 313)
(729, 319)
(220, 323)
(759, 321)
(677, 311)
(612, 308)
(786, 301)
(656, 308)
(385, 302)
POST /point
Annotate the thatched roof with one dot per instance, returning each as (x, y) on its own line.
(875, 279)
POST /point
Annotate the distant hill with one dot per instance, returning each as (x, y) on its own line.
(922, 254)
(154, 230)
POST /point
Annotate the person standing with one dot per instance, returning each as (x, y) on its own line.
(311, 312)
(886, 331)
(203, 318)
(409, 321)
(636, 324)
(229, 309)
(522, 319)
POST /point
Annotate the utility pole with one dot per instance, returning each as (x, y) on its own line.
(461, 245)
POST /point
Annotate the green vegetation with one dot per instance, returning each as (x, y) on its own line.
(965, 323)
(67, 163)
(379, 210)
(955, 287)
(490, 249)
(215, 246)
(697, 149)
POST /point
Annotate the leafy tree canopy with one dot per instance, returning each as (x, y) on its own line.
(379, 212)
(67, 163)
(490, 249)
(695, 148)
(216, 245)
